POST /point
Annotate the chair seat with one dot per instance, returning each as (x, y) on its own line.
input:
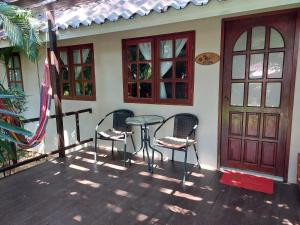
(111, 134)
(173, 142)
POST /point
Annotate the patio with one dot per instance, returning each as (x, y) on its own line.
(78, 191)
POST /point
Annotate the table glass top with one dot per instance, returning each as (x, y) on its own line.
(144, 120)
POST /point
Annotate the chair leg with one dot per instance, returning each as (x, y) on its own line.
(95, 154)
(173, 155)
(184, 165)
(112, 149)
(125, 146)
(197, 157)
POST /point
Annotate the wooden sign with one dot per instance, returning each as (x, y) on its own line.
(207, 58)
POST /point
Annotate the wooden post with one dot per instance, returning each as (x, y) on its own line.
(54, 73)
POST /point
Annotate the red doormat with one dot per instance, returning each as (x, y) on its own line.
(247, 181)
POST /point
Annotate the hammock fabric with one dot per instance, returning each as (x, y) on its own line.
(45, 104)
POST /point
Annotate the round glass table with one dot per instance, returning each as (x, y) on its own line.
(144, 121)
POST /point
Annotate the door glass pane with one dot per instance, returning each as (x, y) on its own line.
(237, 94)
(86, 56)
(166, 49)
(145, 90)
(10, 63)
(16, 61)
(11, 75)
(77, 72)
(88, 89)
(241, 43)
(275, 65)
(181, 69)
(65, 73)
(181, 90)
(132, 53)
(18, 75)
(66, 89)
(254, 94)
(165, 90)
(132, 71)
(166, 70)
(78, 89)
(64, 57)
(87, 73)
(276, 40)
(258, 37)
(76, 56)
(180, 47)
(145, 71)
(273, 94)
(238, 67)
(132, 90)
(256, 66)
(18, 86)
(145, 51)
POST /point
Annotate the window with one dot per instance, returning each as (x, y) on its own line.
(14, 72)
(159, 69)
(77, 72)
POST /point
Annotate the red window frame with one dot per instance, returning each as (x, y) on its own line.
(71, 67)
(12, 83)
(155, 62)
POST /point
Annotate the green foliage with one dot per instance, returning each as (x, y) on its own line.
(20, 29)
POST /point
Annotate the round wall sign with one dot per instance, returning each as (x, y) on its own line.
(207, 58)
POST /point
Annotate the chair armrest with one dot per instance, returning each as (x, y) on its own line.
(191, 133)
(101, 121)
(160, 126)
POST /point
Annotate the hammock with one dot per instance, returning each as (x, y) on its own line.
(24, 142)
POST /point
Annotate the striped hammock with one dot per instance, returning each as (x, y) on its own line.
(24, 142)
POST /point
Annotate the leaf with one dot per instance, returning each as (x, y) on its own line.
(8, 138)
(3, 96)
(9, 113)
(15, 129)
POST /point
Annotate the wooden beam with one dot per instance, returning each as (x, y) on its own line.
(54, 72)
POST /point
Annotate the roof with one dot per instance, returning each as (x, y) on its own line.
(112, 10)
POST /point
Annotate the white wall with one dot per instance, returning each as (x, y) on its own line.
(109, 87)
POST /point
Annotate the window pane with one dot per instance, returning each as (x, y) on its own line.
(258, 37)
(77, 72)
(65, 73)
(240, 44)
(132, 90)
(87, 73)
(165, 90)
(275, 65)
(64, 57)
(237, 94)
(276, 40)
(166, 70)
(18, 75)
(16, 61)
(238, 67)
(181, 91)
(131, 53)
(145, 51)
(181, 69)
(180, 47)
(86, 56)
(273, 94)
(10, 62)
(88, 89)
(66, 89)
(132, 70)
(145, 90)
(254, 94)
(145, 71)
(78, 89)
(17, 86)
(166, 49)
(76, 57)
(256, 66)
(11, 75)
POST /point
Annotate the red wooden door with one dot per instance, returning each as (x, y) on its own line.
(257, 72)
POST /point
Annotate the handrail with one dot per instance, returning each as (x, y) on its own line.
(78, 142)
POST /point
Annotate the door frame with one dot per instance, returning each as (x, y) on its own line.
(292, 85)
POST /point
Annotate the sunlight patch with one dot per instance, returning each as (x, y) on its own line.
(88, 182)
(81, 168)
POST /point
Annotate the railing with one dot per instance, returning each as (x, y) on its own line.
(78, 140)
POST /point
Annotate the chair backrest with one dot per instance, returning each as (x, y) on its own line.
(119, 117)
(184, 124)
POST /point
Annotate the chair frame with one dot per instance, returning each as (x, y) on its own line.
(123, 139)
(191, 135)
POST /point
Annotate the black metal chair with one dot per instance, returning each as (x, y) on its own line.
(185, 126)
(120, 131)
